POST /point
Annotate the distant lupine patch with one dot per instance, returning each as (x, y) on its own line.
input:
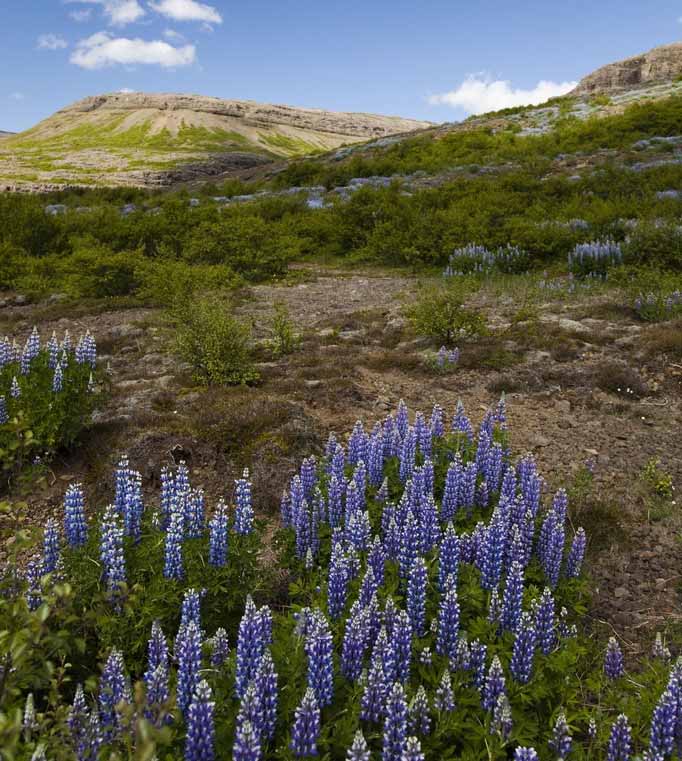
(654, 307)
(594, 259)
(444, 360)
(475, 259)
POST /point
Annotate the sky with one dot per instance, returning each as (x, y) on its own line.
(425, 59)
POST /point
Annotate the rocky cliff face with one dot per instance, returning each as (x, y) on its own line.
(661, 64)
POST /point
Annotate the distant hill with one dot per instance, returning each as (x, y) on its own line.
(136, 138)
(5, 134)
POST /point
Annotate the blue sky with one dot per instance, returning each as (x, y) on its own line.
(425, 59)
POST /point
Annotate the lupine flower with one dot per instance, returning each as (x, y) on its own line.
(337, 584)
(523, 653)
(251, 644)
(663, 720)
(513, 598)
(413, 750)
(395, 725)
(220, 648)
(358, 751)
(448, 621)
(576, 554)
(156, 682)
(402, 638)
(419, 713)
(113, 689)
(525, 754)
(502, 718)
(355, 640)
(416, 596)
(77, 721)
(306, 728)
(51, 546)
(111, 554)
(75, 526)
(592, 729)
(614, 666)
(246, 744)
(448, 557)
(410, 542)
(199, 744)
(545, 623)
(426, 656)
(194, 514)
(374, 693)
(493, 551)
(561, 741)
(478, 655)
(461, 423)
(188, 655)
(33, 575)
(620, 740)
(659, 650)
(173, 566)
(445, 699)
(4, 416)
(266, 687)
(251, 709)
(319, 648)
(243, 519)
(57, 379)
(495, 685)
(157, 648)
(218, 536)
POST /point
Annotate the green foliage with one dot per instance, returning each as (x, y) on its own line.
(658, 479)
(439, 313)
(285, 339)
(216, 344)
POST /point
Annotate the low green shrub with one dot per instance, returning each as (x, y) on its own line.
(285, 339)
(439, 313)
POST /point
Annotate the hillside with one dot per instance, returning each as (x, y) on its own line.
(134, 138)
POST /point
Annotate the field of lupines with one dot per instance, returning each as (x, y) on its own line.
(434, 610)
(46, 395)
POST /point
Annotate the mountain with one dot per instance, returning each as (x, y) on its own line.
(5, 134)
(660, 65)
(137, 138)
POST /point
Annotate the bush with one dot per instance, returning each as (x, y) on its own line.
(284, 339)
(439, 314)
(217, 345)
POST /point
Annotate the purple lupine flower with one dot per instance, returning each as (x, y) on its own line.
(113, 689)
(493, 551)
(246, 744)
(416, 596)
(368, 587)
(194, 514)
(419, 713)
(448, 557)
(357, 444)
(525, 754)
(395, 725)
(173, 565)
(576, 554)
(218, 536)
(158, 693)
(251, 709)
(157, 648)
(338, 464)
(430, 528)
(620, 740)
(426, 656)
(133, 506)
(243, 519)
(52, 347)
(51, 546)
(33, 575)
(77, 721)
(376, 459)
(495, 685)
(402, 639)
(335, 501)
(266, 687)
(57, 380)
(306, 729)
(462, 659)
(561, 742)
(494, 607)
(191, 607)
(410, 544)
(663, 721)
(337, 585)
(513, 598)
(358, 751)
(437, 422)
(408, 453)
(659, 650)
(478, 658)
(448, 620)
(75, 526)
(502, 722)
(308, 476)
(220, 648)
(319, 648)
(285, 509)
(251, 643)
(199, 744)
(545, 622)
(382, 494)
(592, 729)
(374, 693)
(461, 423)
(111, 554)
(188, 655)
(614, 666)
(376, 560)
(402, 418)
(467, 487)
(451, 489)
(355, 641)
(554, 554)
(444, 700)
(4, 415)
(413, 750)
(523, 654)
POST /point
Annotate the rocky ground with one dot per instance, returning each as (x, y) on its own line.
(584, 381)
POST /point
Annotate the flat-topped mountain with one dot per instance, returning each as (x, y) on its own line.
(137, 138)
(661, 64)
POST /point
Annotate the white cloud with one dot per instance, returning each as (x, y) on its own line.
(171, 34)
(480, 93)
(82, 15)
(51, 42)
(126, 91)
(187, 10)
(17, 96)
(119, 12)
(101, 50)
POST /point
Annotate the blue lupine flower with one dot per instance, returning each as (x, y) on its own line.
(75, 526)
(493, 552)
(614, 666)
(121, 478)
(335, 501)
(251, 709)
(402, 638)
(111, 554)
(319, 648)
(561, 742)
(376, 560)
(247, 745)
(502, 722)
(337, 584)
(191, 607)
(663, 721)
(15, 388)
(448, 620)
(57, 379)
(199, 744)
(659, 650)
(359, 530)
(77, 721)
(308, 476)
(133, 506)
(173, 565)
(495, 685)
(445, 698)
(266, 687)
(402, 418)
(358, 751)
(252, 640)
(220, 648)
(218, 536)
(461, 423)
(374, 693)
(157, 648)
(620, 740)
(306, 729)
(554, 554)
(437, 421)
(413, 750)
(188, 656)
(462, 659)
(384, 649)
(376, 459)
(194, 514)
(420, 713)
(478, 657)
(357, 444)
(395, 725)
(426, 656)
(523, 654)
(51, 546)
(467, 487)
(416, 596)
(448, 557)
(355, 640)
(545, 623)
(410, 544)
(430, 527)
(285, 509)
(513, 598)
(4, 415)
(113, 689)
(408, 453)
(52, 351)
(158, 693)
(576, 554)
(368, 587)
(525, 754)
(338, 464)
(33, 575)
(243, 519)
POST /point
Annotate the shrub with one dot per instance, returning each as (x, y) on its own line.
(216, 344)
(439, 314)
(284, 339)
